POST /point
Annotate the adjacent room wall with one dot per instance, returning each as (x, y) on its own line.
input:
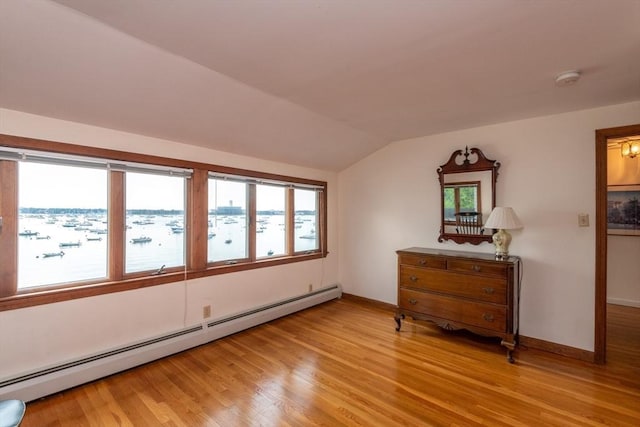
(623, 252)
(391, 200)
(36, 337)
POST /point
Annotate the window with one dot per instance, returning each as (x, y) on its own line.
(74, 216)
(271, 223)
(271, 226)
(62, 212)
(227, 221)
(306, 220)
(461, 197)
(155, 222)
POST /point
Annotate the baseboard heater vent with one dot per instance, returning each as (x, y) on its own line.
(274, 305)
(60, 377)
(104, 355)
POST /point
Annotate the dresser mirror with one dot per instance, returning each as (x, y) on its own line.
(467, 196)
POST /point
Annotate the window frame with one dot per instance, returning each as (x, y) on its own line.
(160, 266)
(248, 202)
(317, 224)
(196, 230)
(59, 169)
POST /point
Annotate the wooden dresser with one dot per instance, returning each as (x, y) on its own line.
(460, 290)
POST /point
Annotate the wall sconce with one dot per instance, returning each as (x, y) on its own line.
(630, 148)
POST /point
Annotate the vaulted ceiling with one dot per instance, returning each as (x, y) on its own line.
(314, 83)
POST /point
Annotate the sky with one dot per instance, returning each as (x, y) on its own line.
(268, 196)
(54, 186)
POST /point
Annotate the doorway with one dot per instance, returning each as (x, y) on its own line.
(602, 138)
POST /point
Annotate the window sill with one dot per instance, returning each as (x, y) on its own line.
(52, 294)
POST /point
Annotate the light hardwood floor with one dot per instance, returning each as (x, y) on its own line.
(342, 363)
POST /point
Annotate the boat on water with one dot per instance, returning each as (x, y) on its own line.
(143, 222)
(142, 239)
(52, 254)
(228, 241)
(93, 239)
(211, 235)
(71, 224)
(177, 229)
(311, 235)
(43, 237)
(28, 233)
(70, 244)
(270, 252)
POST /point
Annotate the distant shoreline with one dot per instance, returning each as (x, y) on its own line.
(89, 211)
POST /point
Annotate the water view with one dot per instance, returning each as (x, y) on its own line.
(63, 222)
(63, 248)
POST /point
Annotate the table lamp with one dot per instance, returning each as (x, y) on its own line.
(502, 219)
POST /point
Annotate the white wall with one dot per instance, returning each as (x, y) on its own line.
(35, 337)
(390, 200)
(623, 252)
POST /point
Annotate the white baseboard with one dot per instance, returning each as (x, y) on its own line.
(33, 385)
(622, 301)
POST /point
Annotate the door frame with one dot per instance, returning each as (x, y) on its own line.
(602, 137)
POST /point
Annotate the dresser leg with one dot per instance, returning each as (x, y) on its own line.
(398, 318)
(510, 345)
(510, 356)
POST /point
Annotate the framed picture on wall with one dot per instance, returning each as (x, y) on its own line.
(623, 210)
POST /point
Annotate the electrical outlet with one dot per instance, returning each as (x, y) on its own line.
(310, 287)
(206, 311)
(583, 220)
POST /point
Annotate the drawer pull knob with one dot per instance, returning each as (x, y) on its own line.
(423, 262)
(413, 301)
(476, 268)
(488, 290)
(413, 278)
(488, 317)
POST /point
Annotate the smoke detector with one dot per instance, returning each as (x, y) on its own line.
(567, 78)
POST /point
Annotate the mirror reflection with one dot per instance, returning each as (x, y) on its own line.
(467, 196)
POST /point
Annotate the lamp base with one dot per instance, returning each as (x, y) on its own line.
(501, 240)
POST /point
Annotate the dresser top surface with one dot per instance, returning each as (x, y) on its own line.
(458, 254)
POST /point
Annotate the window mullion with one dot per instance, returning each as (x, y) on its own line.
(290, 221)
(322, 222)
(116, 222)
(252, 223)
(197, 220)
(8, 227)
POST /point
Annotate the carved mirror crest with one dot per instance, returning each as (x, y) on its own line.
(467, 196)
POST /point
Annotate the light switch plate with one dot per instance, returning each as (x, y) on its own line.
(583, 220)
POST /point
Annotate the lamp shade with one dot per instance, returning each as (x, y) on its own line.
(503, 219)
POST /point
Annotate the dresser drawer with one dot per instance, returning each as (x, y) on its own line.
(489, 289)
(423, 261)
(487, 316)
(477, 267)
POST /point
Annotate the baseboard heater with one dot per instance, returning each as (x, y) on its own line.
(43, 382)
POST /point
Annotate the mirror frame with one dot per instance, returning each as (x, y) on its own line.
(453, 167)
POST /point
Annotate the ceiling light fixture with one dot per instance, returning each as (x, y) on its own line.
(630, 148)
(567, 78)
